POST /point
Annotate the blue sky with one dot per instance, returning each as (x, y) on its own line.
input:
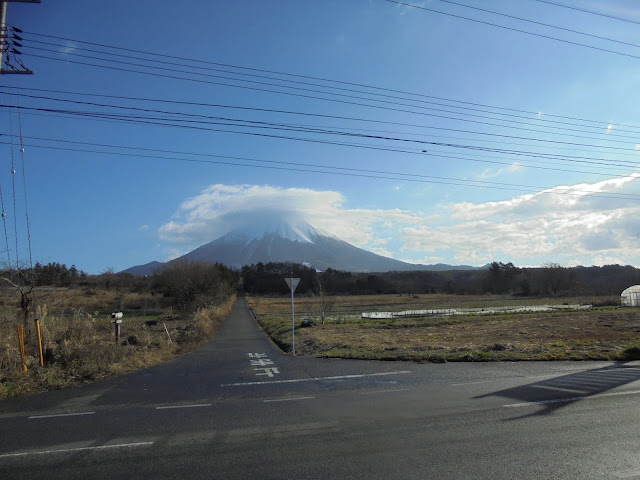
(500, 145)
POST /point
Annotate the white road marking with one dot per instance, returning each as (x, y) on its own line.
(629, 474)
(55, 415)
(572, 399)
(471, 383)
(167, 407)
(79, 449)
(560, 389)
(286, 399)
(385, 391)
(317, 379)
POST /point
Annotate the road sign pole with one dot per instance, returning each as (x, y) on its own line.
(293, 326)
(293, 283)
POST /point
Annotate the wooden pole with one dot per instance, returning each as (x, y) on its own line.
(20, 329)
(39, 342)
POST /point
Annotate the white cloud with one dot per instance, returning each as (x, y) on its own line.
(588, 223)
(490, 173)
(548, 224)
(219, 209)
(381, 251)
(143, 228)
(404, 9)
(69, 47)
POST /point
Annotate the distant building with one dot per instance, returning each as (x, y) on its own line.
(631, 297)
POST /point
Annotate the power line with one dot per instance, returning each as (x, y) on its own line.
(463, 139)
(432, 154)
(151, 121)
(353, 97)
(538, 118)
(24, 189)
(237, 107)
(347, 171)
(321, 79)
(513, 17)
(557, 4)
(235, 123)
(513, 29)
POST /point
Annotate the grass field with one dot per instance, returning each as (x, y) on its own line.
(605, 332)
(79, 336)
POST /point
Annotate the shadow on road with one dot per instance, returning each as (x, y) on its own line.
(558, 392)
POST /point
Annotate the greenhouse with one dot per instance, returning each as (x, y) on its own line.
(631, 297)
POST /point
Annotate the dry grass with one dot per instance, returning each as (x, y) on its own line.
(602, 333)
(78, 339)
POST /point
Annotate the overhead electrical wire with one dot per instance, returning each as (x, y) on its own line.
(297, 113)
(537, 117)
(592, 12)
(513, 29)
(358, 99)
(240, 107)
(24, 190)
(298, 166)
(535, 22)
(433, 154)
(164, 56)
(632, 153)
(145, 121)
(195, 121)
(208, 117)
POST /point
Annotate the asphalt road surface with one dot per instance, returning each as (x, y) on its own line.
(239, 408)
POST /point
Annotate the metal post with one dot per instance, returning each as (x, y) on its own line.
(3, 29)
(39, 342)
(293, 325)
(117, 324)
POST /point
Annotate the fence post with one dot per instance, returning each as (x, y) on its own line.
(20, 329)
(39, 342)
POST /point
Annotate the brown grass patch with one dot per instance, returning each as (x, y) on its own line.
(609, 333)
(79, 340)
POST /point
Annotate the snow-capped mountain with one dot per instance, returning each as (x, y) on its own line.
(289, 241)
(297, 242)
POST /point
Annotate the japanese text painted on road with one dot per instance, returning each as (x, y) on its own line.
(262, 365)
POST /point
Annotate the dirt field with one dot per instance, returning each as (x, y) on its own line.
(605, 332)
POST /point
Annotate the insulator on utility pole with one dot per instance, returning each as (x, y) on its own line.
(3, 28)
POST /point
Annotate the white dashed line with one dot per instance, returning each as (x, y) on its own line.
(167, 407)
(56, 415)
(317, 379)
(79, 449)
(271, 400)
(385, 391)
(471, 383)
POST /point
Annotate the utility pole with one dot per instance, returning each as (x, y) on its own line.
(8, 43)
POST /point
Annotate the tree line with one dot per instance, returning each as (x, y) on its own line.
(186, 285)
(497, 278)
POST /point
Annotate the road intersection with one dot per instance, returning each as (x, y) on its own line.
(240, 408)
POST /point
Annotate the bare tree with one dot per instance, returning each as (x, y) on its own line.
(324, 301)
(555, 276)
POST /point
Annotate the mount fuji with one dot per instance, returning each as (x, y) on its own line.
(289, 241)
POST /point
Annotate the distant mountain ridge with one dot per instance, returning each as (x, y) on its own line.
(286, 241)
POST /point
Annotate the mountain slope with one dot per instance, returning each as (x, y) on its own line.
(297, 242)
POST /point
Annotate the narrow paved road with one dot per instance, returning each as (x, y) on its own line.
(239, 408)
